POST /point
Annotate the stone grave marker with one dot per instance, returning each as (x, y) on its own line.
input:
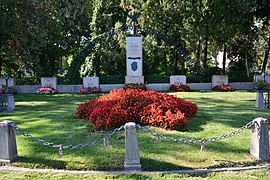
(219, 80)
(11, 82)
(91, 82)
(259, 77)
(49, 82)
(178, 80)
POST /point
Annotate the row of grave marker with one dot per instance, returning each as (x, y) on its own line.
(94, 81)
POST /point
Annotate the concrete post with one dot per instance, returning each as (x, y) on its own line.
(260, 139)
(132, 151)
(10, 102)
(8, 147)
(259, 100)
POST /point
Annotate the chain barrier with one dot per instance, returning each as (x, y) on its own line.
(195, 141)
(60, 146)
(117, 130)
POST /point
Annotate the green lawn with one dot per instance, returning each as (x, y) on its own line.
(50, 118)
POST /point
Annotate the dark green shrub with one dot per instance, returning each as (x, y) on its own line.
(112, 79)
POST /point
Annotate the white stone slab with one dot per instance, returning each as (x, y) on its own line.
(11, 82)
(134, 56)
(178, 80)
(259, 77)
(49, 82)
(134, 79)
(91, 82)
(219, 80)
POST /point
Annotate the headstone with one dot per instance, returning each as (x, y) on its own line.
(259, 77)
(132, 162)
(259, 100)
(260, 139)
(90, 82)
(8, 147)
(178, 80)
(11, 82)
(49, 82)
(218, 80)
(134, 60)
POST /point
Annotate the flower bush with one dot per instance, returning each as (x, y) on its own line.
(179, 87)
(139, 106)
(135, 86)
(90, 90)
(222, 88)
(2, 91)
(9, 89)
(46, 90)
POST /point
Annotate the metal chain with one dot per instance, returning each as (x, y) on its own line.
(52, 145)
(194, 141)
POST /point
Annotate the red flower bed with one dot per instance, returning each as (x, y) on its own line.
(139, 106)
(176, 88)
(222, 88)
(90, 90)
(2, 91)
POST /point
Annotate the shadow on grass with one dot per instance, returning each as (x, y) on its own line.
(155, 165)
(35, 162)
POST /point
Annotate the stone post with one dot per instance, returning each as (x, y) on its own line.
(132, 151)
(10, 102)
(8, 147)
(259, 100)
(260, 139)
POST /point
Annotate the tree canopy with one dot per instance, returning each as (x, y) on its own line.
(81, 38)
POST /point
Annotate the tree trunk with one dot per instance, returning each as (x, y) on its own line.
(1, 63)
(206, 47)
(198, 58)
(224, 59)
(266, 55)
(247, 69)
(176, 63)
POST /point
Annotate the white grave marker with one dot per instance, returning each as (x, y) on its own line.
(218, 80)
(49, 82)
(178, 80)
(91, 82)
(11, 82)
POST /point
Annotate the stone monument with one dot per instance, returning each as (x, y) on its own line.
(134, 60)
(218, 80)
(91, 82)
(178, 80)
(49, 82)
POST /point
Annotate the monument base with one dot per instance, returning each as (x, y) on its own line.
(133, 167)
(134, 79)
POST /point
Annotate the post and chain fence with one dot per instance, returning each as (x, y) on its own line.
(143, 128)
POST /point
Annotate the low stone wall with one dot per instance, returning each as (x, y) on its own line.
(157, 87)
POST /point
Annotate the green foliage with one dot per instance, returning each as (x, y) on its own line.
(157, 79)
(112, 79)
(261, 85)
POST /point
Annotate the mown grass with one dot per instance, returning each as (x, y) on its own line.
(50, 118)
(262, 174)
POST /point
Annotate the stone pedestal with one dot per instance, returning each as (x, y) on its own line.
(218, 80)
(49, 82)
(259, 100)
(178, 80)
(260, 139)
(132, 162)
(10, 102)
(134, 79)
(8, 147)
(91, 82)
